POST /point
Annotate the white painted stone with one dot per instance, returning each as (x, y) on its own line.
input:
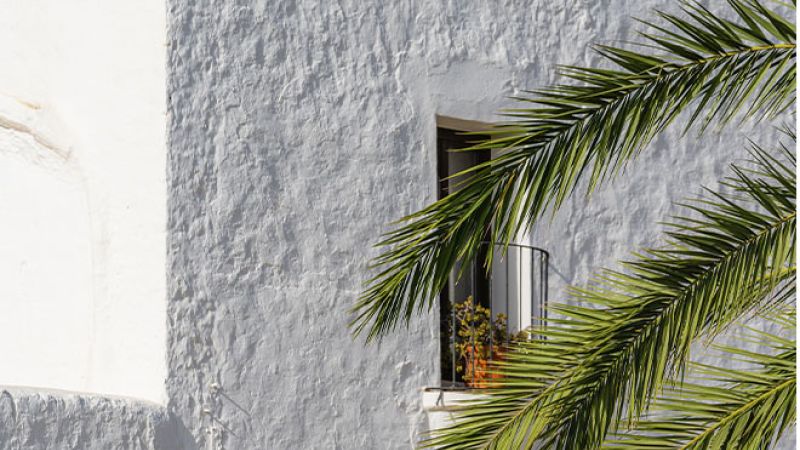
(45, 419)
(298, 130)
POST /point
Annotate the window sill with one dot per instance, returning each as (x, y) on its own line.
(440, 404)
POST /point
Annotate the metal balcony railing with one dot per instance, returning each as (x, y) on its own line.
(487, 311)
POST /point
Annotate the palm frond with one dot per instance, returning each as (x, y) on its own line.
(725, 408)
(735, 256)
(710, 67)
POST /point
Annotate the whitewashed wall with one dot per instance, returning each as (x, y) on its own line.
(297, 130)
(83, 195)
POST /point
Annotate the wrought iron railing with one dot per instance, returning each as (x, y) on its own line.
(488, 310)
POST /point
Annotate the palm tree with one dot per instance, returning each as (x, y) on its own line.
(616, 371)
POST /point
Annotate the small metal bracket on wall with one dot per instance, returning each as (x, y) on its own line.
(212, 425)
(215, 428)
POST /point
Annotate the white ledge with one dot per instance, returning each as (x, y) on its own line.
(25, 391)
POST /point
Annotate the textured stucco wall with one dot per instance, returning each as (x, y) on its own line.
(297, 130)
(36, 419)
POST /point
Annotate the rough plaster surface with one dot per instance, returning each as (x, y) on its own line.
(297, 131)
(43, 420)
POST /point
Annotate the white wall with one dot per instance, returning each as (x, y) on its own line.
(297, 130)
(83, 194)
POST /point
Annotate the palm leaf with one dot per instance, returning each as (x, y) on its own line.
(725, 408)
(711, 67)
(735, 256)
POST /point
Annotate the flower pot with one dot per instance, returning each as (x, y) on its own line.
(479, 371)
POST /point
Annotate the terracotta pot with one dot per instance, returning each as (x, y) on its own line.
(478, 369)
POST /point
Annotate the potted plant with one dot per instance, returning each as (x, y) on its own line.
(481, 341)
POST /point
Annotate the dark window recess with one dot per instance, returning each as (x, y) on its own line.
(516, 286)
(474, 281)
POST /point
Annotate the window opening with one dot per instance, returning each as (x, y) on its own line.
(480, 312)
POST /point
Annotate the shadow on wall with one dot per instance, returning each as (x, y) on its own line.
(173, 434)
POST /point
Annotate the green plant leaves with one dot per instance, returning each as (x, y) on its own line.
(603, 362)
(725, 408)
(712, 68)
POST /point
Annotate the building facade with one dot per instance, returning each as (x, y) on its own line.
(216, 175)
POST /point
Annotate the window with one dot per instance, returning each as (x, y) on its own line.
(514, 290)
